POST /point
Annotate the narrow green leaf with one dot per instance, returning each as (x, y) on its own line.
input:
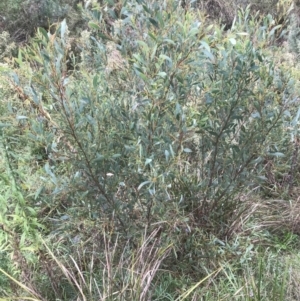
(153, 52)
(143, 184)
(243, 33)
(154, 22)
(4, 125)
(209, 55)
(63, 29)
(276, 154)
(168, 41)
(103, 36)
(95, 81)
(165, 57)
(148, 161)
(38, 192)
(141, 75)
(204, 45)
(146, 9)
(20, 117)
(144, 46)
(93, 25)
(44, 33)
(272, 32)
(167, 155)
(162, 74)
(160, 18)
(193, 32)
(19, 60)
(172, 151)
(99, 158)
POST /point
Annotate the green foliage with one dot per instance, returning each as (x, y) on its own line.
(185, 120)
(18, 222)
(144, 136)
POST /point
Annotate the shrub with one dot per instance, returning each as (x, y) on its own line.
(151, 127)
(184, 119)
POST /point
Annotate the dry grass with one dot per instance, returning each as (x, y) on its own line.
(111, 273)
(278, 215)
(115, 61)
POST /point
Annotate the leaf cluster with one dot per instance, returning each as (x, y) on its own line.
(152, 123)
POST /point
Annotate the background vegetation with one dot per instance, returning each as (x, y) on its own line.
(149, 150)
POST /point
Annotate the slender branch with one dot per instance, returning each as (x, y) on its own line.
(88, 163)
